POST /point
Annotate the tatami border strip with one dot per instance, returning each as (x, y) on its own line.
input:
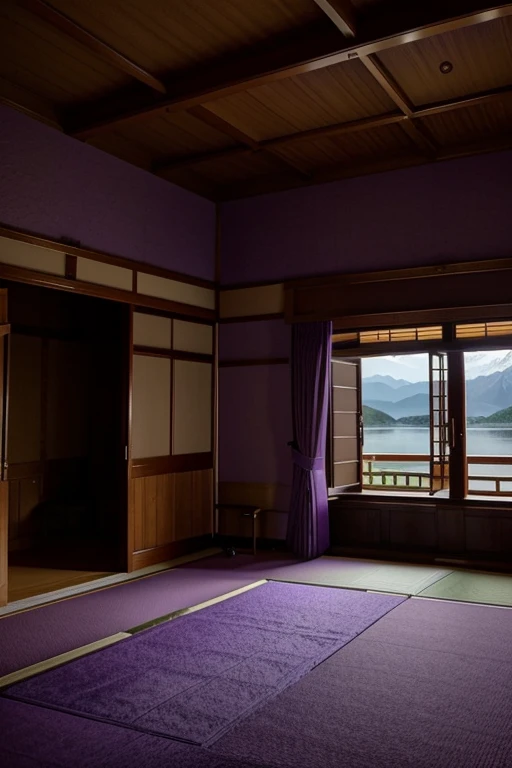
(461, 602)
(63, 658)
(194, 608)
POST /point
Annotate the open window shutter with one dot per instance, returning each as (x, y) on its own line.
(346, 425)
(439, 432)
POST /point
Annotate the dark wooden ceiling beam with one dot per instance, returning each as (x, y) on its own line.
(386, 81)
(63, 23)
(337, 129)
(418, 134)
(222, 125)
(473, 100)
(341, 13)
(308, 53)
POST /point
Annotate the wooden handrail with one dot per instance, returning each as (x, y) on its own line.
(410, 457)
(396, 457)
(407, 475)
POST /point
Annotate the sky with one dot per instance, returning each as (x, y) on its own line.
(414, 368)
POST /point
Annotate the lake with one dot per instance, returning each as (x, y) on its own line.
(481, 441)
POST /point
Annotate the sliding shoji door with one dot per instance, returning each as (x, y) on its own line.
(171, 442)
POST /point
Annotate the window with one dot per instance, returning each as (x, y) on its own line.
(433, 417)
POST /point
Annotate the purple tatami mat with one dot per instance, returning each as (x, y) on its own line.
(41, 633)
(428, 686)
(194, 677)
(33, 737)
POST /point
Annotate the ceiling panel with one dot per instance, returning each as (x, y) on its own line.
(365, 145)
(162, 35)
(175, 135)
(473, 124)
(481, 56)
(35, 56)
(336, 94)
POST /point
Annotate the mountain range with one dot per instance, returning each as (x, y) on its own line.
(374, 418)
(486, 394)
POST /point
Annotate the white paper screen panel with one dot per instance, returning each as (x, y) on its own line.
(100, 273)
(193, 337)
(151, 407)
(19, 254)
(152, 331)
(192, 424)
(173, 290)
(244, 302)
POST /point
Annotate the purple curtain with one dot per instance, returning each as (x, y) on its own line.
(308, 521)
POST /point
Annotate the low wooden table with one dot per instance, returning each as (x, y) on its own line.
(247, 510)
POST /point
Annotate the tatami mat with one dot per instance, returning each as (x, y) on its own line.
(356, 574)
(471, 587)
(407, 579)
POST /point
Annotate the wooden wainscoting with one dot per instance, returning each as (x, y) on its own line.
(473, 531)
(172, 514)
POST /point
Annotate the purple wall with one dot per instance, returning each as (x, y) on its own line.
(254, 408)
(255, 419)
(451, 211)
(56, 186)
(261, 339)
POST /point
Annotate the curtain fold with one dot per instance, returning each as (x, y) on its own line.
(308, 520)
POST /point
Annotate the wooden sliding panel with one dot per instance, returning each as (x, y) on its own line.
(192, 434)
(153, 505)
(173, 290)
(32, 257)
(193, 503)
(152, 331)
(102, 273)
(192, 407)
(151, 406)
(249, 302)
(171, 486)
(193, 337)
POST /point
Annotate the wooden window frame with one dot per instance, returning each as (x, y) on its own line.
(455, 348)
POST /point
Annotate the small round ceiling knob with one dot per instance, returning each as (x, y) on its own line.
(446, 67)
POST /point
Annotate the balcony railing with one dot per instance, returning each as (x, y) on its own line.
(380, 472)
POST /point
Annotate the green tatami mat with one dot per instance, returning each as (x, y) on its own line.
(323, 571)
(405, 579)
(473, 587)
(361, 574)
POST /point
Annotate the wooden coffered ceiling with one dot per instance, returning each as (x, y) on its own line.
(231, 98)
